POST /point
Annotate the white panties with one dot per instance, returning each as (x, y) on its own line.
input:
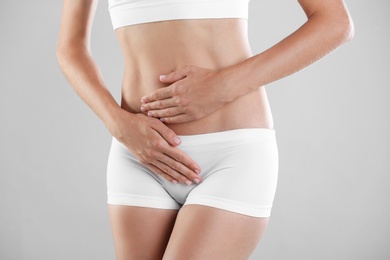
(239, 174)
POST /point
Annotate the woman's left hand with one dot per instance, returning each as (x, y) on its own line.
(195, 93)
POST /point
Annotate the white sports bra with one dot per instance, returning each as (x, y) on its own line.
(129, 12)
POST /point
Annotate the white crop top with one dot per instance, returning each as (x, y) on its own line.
(129, 12)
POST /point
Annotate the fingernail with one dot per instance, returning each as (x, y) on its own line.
(143, 109)
(143, 100)
(150, 113)
(177, 140)
(188, 182)
(162, 77)
(197, 171)
(197, 180)
(162, 119)
(174, 182)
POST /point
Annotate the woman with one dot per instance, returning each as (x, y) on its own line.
(193, 164)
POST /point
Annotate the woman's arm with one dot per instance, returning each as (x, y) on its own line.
(76, 62)
(198, 92)
(328, 26)
(150, 140)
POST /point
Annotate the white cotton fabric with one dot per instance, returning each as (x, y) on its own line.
(130, 12)
(239, 172)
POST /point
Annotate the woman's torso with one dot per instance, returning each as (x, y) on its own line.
(156, 48)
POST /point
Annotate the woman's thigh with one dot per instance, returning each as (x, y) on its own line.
(140, 233)
(204, 233)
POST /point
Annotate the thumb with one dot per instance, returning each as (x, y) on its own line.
(175, 75)
(168, 134)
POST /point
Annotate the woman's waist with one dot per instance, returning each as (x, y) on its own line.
(249, 111)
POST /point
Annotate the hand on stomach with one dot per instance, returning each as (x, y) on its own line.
(159, 48)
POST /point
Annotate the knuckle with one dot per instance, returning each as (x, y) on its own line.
(186, 110)
(179, 158)
(175, 74)
(183, 179)
(156, 95)
(178, 101)
(183, 102)
(168, 171)
(148, 153)
(168, 133)
(157, 145)
(142, 160)
(164, 169)
(156, 170)
(176, 167)
(155, 124)
(145, 158)
(167, 113)
(174, 90)
(168, 120)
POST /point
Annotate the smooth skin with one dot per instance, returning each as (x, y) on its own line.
(213, 83)
(190, 96)
(197, 232)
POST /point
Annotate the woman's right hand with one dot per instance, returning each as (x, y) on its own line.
(154, 145)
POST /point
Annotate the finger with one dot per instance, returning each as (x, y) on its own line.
(176, 154)
(172, 161)
(167, 169)
(176, 75)
(176, 119)
(162, 173)
(186, 173)
(167, 133)
(181, 157)
(165, 113)
(159, 94)
(159, 104)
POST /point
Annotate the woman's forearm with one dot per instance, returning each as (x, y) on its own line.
(76, 61)
(84, 75)
(322, 33)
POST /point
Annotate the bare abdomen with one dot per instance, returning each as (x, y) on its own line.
(159, 48)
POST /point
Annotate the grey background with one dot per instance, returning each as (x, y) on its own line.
(332, 123)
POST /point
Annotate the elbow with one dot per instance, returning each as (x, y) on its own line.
(337, 27)
(346, 29)
(61, 53)
(343, 29)
(68, 52)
